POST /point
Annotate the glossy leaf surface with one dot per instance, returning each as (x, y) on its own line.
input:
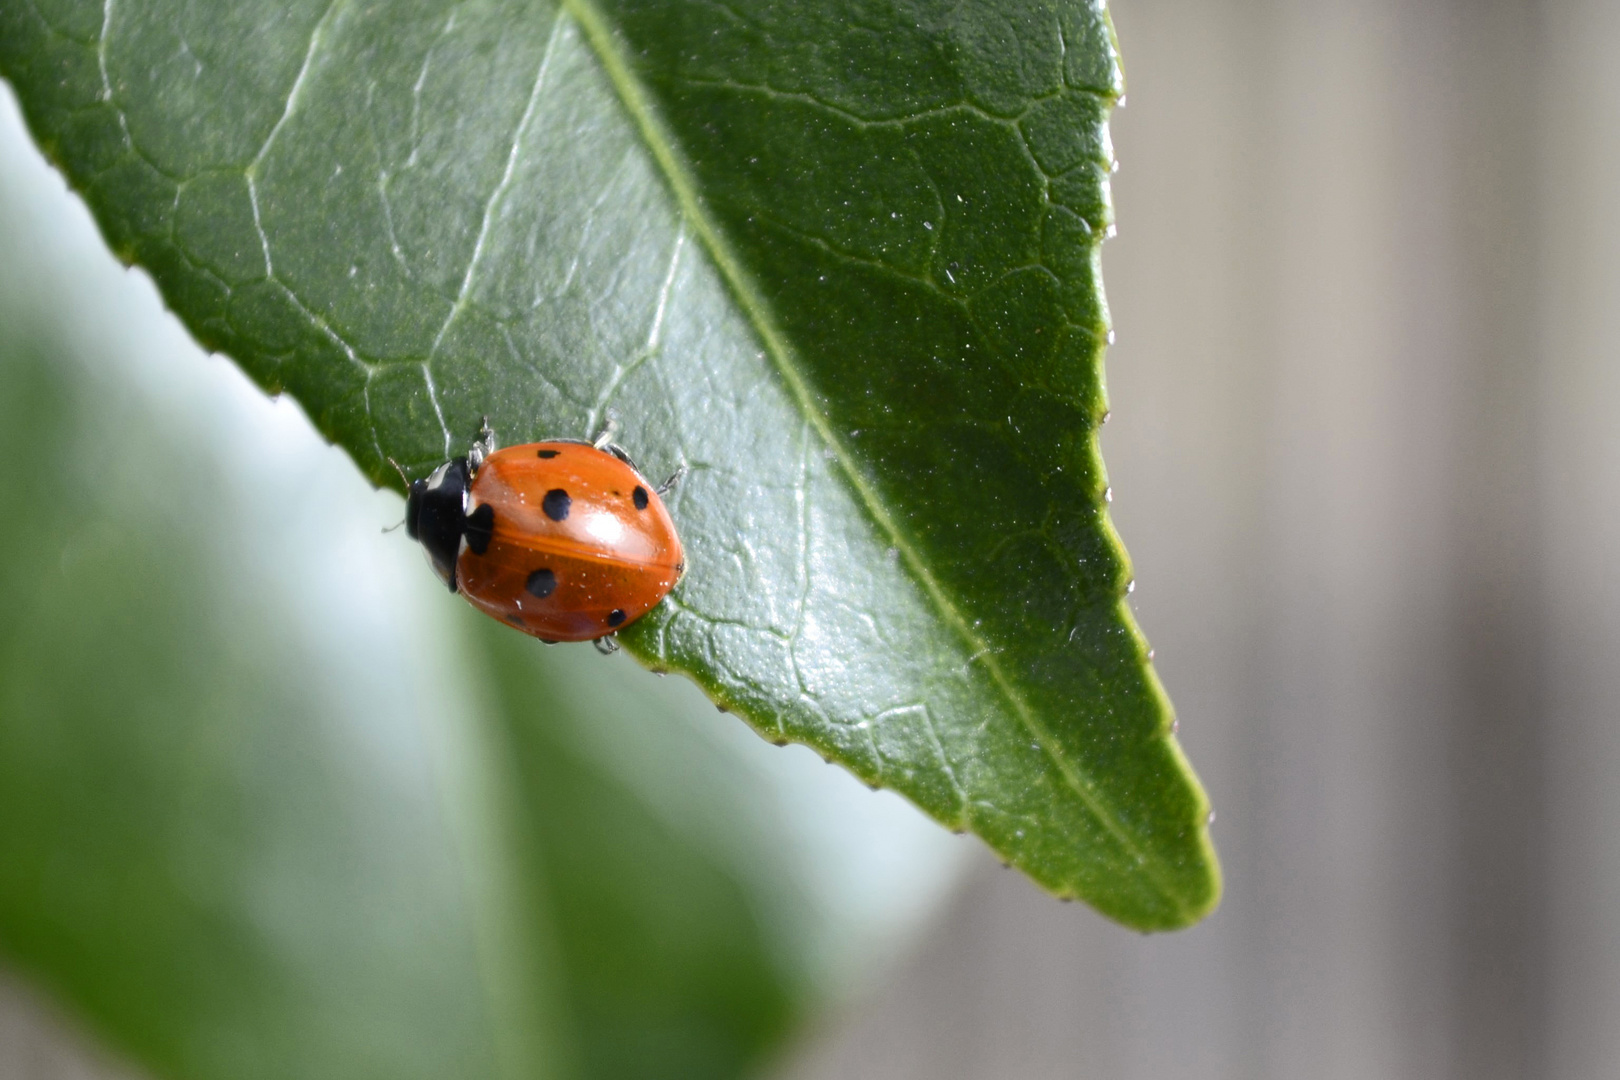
(839, 258)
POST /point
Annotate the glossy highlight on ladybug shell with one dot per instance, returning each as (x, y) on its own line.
(559, 539)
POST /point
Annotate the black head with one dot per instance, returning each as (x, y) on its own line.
(436, 516)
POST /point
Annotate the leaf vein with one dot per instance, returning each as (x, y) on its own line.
(655, 336)
(251, 173)
(504, 182)
(660, 144)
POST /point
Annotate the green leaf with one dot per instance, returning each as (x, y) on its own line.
(241, 843)
(841, 258)
(662, 982)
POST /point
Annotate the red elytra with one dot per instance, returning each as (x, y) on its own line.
(559, 539)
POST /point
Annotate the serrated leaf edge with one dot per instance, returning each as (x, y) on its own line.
(602, 40)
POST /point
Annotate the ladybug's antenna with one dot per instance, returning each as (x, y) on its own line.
(407, 481)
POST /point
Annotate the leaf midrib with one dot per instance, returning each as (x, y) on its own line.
(600, 37)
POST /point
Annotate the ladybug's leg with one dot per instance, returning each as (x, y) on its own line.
(607, 644)
(610, 428)
(621, 453)
(484, 447)
(674, 478)
(604, 440)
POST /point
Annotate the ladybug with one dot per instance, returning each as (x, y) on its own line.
(563, 539)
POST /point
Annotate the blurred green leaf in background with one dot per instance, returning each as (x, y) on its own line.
(271, 807)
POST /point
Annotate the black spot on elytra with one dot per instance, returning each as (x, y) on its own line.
(517, 621)
(556, 504)
(542, 583)
(480, 527)
(639, 497)
(616, 617)
(547, 454)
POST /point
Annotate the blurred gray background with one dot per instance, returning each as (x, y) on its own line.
(1366, 457)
